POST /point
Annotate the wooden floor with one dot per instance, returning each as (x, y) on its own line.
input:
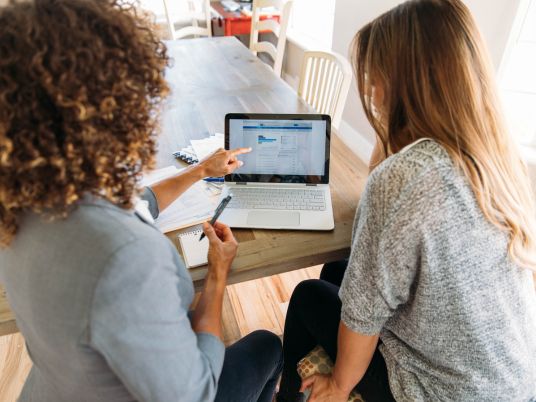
(248, 306)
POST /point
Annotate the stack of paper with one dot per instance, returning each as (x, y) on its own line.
(206, 146)
(200, 149)
(187, 155)
(194, 206)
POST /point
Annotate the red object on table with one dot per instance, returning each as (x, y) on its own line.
(236, 23)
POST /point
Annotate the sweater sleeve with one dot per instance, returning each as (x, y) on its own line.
(385, 253)
(149, 196)
(140, 326)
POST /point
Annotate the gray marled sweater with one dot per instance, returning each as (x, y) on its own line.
(429, 273)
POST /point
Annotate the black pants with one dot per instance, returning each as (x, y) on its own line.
(313, 319)
(251, 369)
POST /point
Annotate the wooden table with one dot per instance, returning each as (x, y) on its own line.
(234, 22)
(212, 77)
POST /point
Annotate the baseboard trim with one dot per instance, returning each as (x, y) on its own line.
(356, 141)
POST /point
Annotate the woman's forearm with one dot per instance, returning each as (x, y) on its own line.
(221, 253)
(207, 315)
(220, 163)
(168, 190)
(354, 354)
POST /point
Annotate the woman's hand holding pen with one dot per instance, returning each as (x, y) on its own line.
(222, 249)
(222, 162)
(221, 253)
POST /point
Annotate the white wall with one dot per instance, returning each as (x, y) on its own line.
(494, 17)
(292, 63)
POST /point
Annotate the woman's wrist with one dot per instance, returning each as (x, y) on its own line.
(216, 277)
(198, 171)
(340, 383)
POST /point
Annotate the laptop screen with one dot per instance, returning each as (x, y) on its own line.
(285, 148)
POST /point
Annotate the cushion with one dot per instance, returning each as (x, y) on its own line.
(318, 362)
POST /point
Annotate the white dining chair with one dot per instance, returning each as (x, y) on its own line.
(192, 11)
(279, 29)
(324, 83)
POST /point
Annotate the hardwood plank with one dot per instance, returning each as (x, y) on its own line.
(7, 318)
(262, 303)
(282, 286)
(15, 364)
(259, 310)
(231, 329)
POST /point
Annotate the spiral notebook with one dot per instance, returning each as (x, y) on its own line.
(194, 251)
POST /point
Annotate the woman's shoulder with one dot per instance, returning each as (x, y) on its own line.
(63, 262)
(422, 155)
(91, 233)
(101, 219)
(422, 170)
(421, 159)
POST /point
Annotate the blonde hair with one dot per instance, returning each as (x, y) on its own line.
(431, 61)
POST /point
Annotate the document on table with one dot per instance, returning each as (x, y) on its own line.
(194, 206)
(206, 146)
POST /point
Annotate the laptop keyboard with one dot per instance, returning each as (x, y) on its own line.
(289, 199)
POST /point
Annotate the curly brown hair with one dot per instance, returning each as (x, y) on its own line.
(81, 82)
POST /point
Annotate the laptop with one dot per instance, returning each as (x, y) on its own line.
(284, 182)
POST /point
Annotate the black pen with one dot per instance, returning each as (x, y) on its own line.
(218, 212)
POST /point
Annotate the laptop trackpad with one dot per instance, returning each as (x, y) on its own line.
(273, 218)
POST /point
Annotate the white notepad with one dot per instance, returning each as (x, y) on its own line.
(195, 252)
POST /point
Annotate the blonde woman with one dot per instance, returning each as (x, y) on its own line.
(438, 298)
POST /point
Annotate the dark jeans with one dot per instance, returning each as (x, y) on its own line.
(251, 369)
(313, 319)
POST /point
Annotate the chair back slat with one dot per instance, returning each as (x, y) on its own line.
(266, 47)
(194, 16)
(324, 83)
(279, 29)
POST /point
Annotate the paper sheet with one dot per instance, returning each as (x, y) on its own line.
(206, 146)
(159, 174)
(192, 207)
(195, 252)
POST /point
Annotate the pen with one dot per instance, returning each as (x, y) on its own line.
(218, 212)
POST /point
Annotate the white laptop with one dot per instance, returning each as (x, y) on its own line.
(284, 183)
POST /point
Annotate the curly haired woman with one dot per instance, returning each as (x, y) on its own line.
(100, 295)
